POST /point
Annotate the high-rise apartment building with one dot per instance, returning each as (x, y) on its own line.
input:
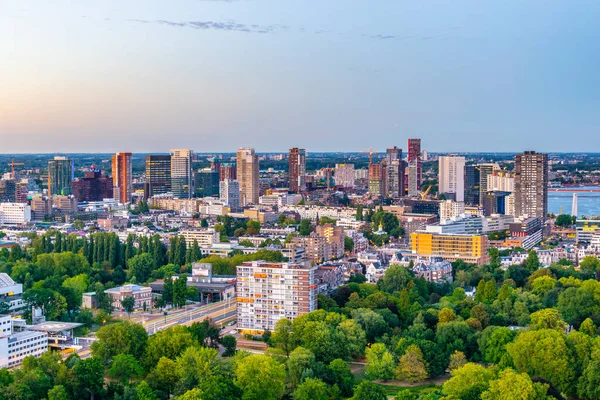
(452, 177)
(229, 193)
(334, 236)
(531, 185)
(122, 177)
(61, 173)
(414, 156)
(268, 292)
(248, 176)
(472, 184)
(413, 178)
(297, 170)
(378, 180)
(395, 172)
(182, 182)
(158, 174)
(344, 175)
(501, 181)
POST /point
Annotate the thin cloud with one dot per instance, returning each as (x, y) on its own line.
(231, 26)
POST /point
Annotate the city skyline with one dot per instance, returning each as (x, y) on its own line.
(227, 74)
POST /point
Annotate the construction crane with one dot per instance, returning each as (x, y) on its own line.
(13, 164)
(425, 193)
(370, 153)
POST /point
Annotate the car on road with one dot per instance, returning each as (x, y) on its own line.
(232, 332)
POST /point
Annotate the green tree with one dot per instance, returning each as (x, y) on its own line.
(128, 304)
(88, 375)
(588, 387)
(252, 227)
(58, 392)
(299, 360)
(167, 292)
(395, 278)
(180, 291)
(411, 367)
(468, 382)
(590, 264)
(564, 220)
(229, 343)
(120, 338)
(305, 227)
(141, 267)
(588, 327)
(348, 244)
(544, 353)
(169, 343)
(125, 367)
(575, 305)
(204, 223)
(369, 391)
(457, 360)
(312, 389)
(164, 376)
(548, 318)
(282, 335)
(260, 377)
(512, 385)
(493, 341)
(342, 376)
(372, 323)
(145, 392)
(532, 263)
(380, 363)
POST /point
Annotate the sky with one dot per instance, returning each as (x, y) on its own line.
(325, 75)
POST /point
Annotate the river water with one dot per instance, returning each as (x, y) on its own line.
(588, 203)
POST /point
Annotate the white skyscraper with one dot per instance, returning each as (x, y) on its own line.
(229, 193)
(574, 208)
(452, 177)
(182, 181)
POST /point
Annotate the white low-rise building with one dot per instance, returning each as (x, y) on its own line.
(14, 213)
(15, 346)
(311, 212)
(204, 237)
(11, 293)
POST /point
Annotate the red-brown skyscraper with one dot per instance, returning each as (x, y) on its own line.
(121, 171)
(297, 170)
(414, 156)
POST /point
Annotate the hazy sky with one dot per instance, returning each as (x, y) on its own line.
(149, 75)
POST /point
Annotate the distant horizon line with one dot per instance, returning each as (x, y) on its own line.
(365, 153)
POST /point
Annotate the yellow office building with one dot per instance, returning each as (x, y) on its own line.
(472, 249)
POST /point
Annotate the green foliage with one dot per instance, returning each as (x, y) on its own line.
(412, 367)
(369, 391)
(260, 377)
(312, 389)
(121, 338)
(565, 220)
(380, 363)
(125, 367)
(305, 227)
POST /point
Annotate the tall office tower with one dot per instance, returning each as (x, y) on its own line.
(395, 172)
(158, 174)
(414, 154)
(297, 170)
(8, 190)
(93, 186)
(574, 208)
(378, 180)
(122, 179)
(471, 184)
(413, 178)
(182, 183)
(485, 170)
(207, 183)
(452, 177)
(531, 185)
(247, 176)
(227, 171)
(229, 193)
(344, 175)
(60, 175)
